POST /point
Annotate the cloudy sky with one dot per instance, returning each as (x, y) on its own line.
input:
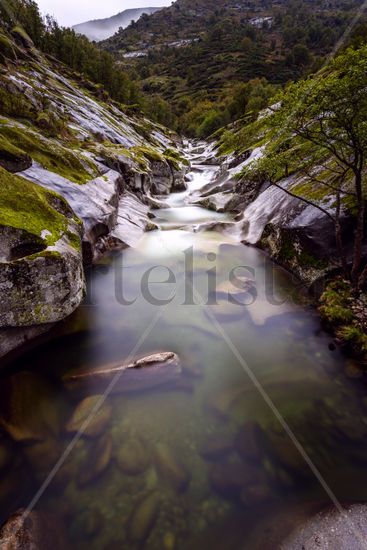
(70, 12)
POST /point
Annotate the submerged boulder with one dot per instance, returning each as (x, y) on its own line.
(91, 416)
(146, 373)
(170, 468)
(143, 517)
(132, 457)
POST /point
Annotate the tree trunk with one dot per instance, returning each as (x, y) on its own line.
(362, 279)
(359, 232)
(338, 237)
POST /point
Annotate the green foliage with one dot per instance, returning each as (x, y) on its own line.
(338, 309)
(336, 303)
(224, 51)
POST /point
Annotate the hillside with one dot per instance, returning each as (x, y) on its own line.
(100, 29)
(197, 55)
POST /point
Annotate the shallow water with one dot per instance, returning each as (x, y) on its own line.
(251, 364)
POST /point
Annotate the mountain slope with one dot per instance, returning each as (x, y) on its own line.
(202, 51)
(100, 29)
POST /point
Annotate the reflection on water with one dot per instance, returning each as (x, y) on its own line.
(202, 461)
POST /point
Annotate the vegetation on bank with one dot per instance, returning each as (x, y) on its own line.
(345, 314)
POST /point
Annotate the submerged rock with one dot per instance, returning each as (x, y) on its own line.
(27, 413)
(34, 530)
(132, 457)
(97, 461)
(216, 446)
(248, 441)
(229, 479)
(170, 468)
(146, 373)
(143, 517)
(84, 417)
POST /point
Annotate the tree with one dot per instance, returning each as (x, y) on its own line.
(301, 55)
(325, 118)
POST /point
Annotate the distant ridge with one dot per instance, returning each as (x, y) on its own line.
(100, 29)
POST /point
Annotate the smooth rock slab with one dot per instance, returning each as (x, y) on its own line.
(332, 530)
(146, 373)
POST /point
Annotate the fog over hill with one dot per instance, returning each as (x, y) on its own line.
(100, 29)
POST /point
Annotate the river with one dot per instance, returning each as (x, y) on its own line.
(260, 378)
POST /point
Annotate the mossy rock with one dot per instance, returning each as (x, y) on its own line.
(28, 207)
(13, 159)
(49, 153)
(7, 50)
(22, 37)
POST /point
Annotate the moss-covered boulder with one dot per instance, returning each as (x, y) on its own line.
(41, 274)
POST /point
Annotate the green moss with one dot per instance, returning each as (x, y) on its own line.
(175, 159)
(49, 153)
(26, 206)
(312, 191)
(353, 336)
(6, 48)
(20, 35)
(149, 153)
(336, 303)
(15, 105)
(289, 253)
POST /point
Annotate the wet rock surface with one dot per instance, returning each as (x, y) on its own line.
(34, 530)
(331, 529)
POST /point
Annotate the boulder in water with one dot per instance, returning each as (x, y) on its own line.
(90, 417)
(170, 468)
(248, 441)
(97, 462)
(143, 517)
(216, 446)
(229, 479)
(132, 457)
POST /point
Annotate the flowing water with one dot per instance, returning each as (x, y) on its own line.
(204, 460)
